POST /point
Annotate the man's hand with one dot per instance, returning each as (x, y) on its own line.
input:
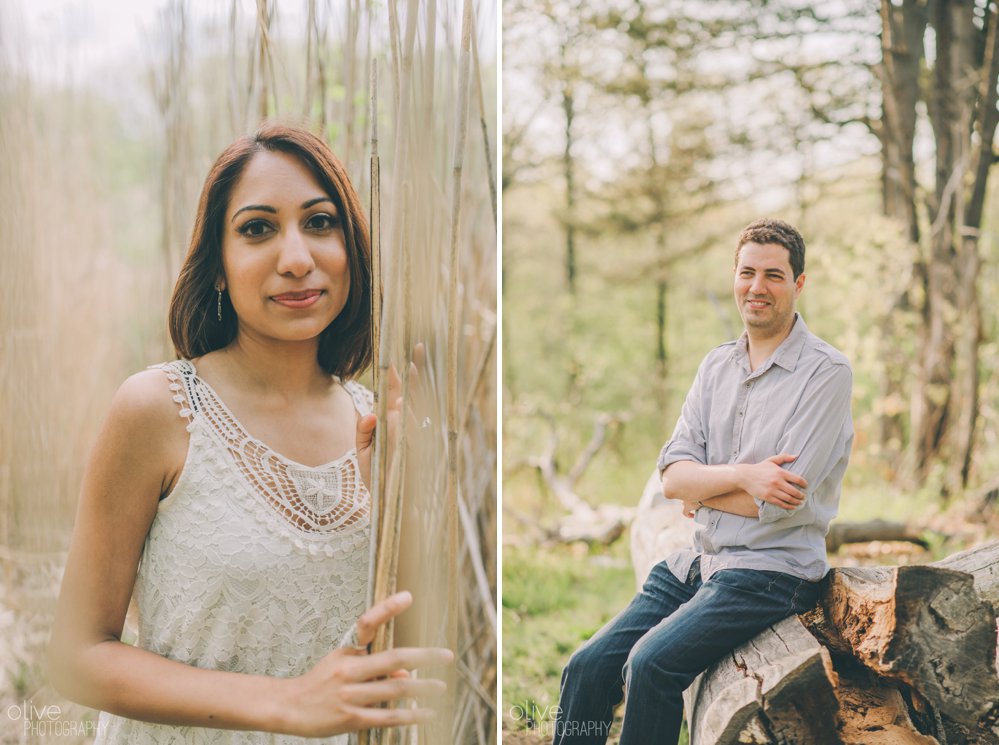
(690, 507)
(769, 482)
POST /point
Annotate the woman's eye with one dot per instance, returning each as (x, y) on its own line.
(254, 229)
(322, 221)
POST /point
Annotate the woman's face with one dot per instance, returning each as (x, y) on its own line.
(283, 251)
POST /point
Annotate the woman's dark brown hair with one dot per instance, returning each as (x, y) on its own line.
(344, 345)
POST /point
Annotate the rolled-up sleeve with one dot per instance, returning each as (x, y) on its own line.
(819, 433)
(688, 441)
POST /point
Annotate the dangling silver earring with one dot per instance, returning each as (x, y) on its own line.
(220, 303)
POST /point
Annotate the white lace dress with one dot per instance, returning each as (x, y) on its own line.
(253, 563)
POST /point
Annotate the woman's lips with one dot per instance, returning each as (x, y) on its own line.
(296, 300)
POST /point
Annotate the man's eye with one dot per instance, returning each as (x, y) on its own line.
(322, 221)
(254, 229)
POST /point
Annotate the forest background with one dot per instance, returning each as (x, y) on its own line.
(639, 137)
(111, 114)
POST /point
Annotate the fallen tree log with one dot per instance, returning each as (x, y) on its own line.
(982, 564)
(887, 647)
(592, 524)
(659, 528)
(923, 626)
(841, 533)
(783, 679)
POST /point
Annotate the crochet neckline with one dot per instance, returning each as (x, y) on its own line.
(314, 499)
(263, 445)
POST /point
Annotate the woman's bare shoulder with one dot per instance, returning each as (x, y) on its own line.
(144, 430)
(144, 407)
(145, 396)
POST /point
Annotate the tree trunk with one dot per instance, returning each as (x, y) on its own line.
(961, 103)
(568, 168)
(902, 30)
(966, 381)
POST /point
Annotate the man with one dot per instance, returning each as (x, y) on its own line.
(757, 458)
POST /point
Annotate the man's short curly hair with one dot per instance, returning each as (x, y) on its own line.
(766, 231)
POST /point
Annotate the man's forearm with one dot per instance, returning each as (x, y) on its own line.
(696, 482)
(735, 502)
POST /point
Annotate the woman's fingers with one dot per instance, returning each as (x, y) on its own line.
(383, 664)
(395, 383)
(371, 693)
(379, 614)
(365, 435)
(370, 718)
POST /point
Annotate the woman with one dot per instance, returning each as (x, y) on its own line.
(238, 475)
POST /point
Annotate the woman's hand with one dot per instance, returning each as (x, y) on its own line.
(345, 689)
(366, 425)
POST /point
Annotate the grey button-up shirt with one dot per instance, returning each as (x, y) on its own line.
(796, 402)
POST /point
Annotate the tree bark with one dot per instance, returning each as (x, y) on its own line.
(781, 682)
(924, 627)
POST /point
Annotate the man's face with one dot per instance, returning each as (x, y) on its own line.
(765, 288)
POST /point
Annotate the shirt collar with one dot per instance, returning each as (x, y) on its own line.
(786, 355)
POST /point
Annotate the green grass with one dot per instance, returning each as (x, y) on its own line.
(553, 601)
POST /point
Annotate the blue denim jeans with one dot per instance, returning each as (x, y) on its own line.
(669, 633)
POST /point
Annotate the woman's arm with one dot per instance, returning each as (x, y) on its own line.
(134, 461)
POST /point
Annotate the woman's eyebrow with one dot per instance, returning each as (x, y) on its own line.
(273, 211)
(260, 207)
(317, 200)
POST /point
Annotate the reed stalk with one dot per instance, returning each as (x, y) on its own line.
(487, 148)
(454, 319)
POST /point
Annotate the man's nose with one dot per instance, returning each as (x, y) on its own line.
(295, 258)
(759, 285)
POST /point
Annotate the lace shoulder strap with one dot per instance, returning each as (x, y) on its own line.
(364, 400)
(180, 373)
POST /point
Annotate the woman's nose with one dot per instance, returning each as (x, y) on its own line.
(295, 258)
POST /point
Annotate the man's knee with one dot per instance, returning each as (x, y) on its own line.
(589, 662)
(649, 666)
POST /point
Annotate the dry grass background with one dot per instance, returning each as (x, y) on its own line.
(97, 209)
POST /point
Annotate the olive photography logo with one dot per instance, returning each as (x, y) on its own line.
(544, 721)
(47, 721)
